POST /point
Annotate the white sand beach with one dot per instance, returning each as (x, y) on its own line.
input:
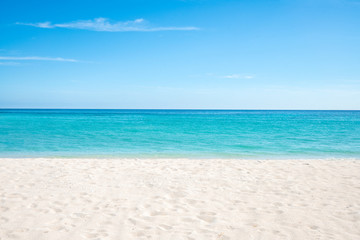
(179, 199)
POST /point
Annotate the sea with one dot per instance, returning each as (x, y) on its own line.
(234, 134)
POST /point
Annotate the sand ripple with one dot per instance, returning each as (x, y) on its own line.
(179, 199)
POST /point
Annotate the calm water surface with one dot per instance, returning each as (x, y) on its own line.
(180, 133)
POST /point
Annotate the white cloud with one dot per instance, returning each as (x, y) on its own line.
(40, 25)
(105, 25)
(238, 76)
(59, 59)
(9, 63)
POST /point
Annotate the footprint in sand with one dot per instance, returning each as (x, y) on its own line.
(78, 215)
(207, 216)
(4, 219)
(165, 227)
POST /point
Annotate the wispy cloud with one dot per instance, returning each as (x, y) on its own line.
(238, 76)
(59, 59)
(106, 25)
(9, 63)
(229, 76)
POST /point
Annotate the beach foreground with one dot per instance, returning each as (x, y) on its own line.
(179, 199)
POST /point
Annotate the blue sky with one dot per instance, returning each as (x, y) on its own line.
(213, 54)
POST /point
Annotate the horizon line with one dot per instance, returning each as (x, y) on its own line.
(182, 109)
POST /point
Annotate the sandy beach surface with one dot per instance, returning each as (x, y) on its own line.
(179, 199)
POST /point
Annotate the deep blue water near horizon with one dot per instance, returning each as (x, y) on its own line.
(249, 134)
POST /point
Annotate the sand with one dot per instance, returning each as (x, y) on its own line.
(179, 199)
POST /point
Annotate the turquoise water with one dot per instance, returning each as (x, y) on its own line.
(179, 133)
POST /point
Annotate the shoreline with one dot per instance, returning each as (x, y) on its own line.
(124, 198)
(300, 158)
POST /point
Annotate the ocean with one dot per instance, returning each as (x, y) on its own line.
(246, 134)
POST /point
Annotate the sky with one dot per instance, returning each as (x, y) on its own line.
(180, 54)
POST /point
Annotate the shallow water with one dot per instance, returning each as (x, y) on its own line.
(180, 133)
